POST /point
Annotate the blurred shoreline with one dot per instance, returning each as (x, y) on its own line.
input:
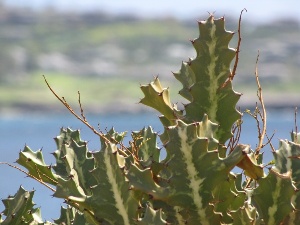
(106, 57)
(273, 102)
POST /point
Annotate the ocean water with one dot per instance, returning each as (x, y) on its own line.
(38, 132)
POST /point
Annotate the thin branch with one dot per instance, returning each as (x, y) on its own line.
(28, 174)
(83, 120)
(45, 184)
(232, 74)
(270, 143)
(81, 109)
(256, 115)
(296, 127)
(260, 115)
(236, 131)
(269, 140)
(263, 114)
(238, 46)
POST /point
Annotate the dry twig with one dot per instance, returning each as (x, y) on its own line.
(81, 109)
(29, 175)
(270, 143)
(82, 118)
(238, 47)
(263, 114)
(296, 127)
(236, 131)
(232, 74)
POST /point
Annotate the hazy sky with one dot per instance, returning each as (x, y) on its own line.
(261, 10)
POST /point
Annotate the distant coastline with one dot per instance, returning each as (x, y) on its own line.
(272, 102)
(106, 57)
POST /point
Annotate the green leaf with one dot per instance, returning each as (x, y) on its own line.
(95, 183)
(245, 215)
(73, 159)
(34, 162)
(203, 78)
(225, 201)
(287, 160)
(152, 217)
(144, 142)
(196, 170)
(159, 99)
(187, 77)
(250, 166)
(112, 192)
(19, 209)
(273, 196)
(67, 215)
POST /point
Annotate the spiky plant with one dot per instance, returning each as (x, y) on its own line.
(194, 184)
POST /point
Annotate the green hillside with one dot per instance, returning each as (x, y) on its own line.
(106, 57)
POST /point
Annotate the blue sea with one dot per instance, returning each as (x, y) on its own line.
(38, 131)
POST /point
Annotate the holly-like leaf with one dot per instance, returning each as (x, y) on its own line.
(152, 217)
(112, 192)
(203, 78)
(19, 209)
(196, 170)
(34, 162)
(273, 196)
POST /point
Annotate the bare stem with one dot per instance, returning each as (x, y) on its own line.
(238, 46)
(28, 174)
(262, 113)
(270, 143)
(81, 109)
(236, 130)
(232, 74)
(82, 119)
(296, 127)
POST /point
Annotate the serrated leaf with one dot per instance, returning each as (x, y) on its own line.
(95, 183)
(250, 166)
(287, 160)
(187, 78)
(115, 136)
(245, 215)
(73, 160)
(191, 163)
(203, 78)
(67, 215)
(159, 99)
(145, 144)
(70, 216)
(111, 194)
(173, 214)
(70, 189)
(19, 209)
(152, 217)
(65, 137)
(273, 196)
(34, 163)
(224, 201)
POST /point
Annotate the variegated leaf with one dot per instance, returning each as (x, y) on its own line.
(196, 170)
(203, 78)
(273, 196)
